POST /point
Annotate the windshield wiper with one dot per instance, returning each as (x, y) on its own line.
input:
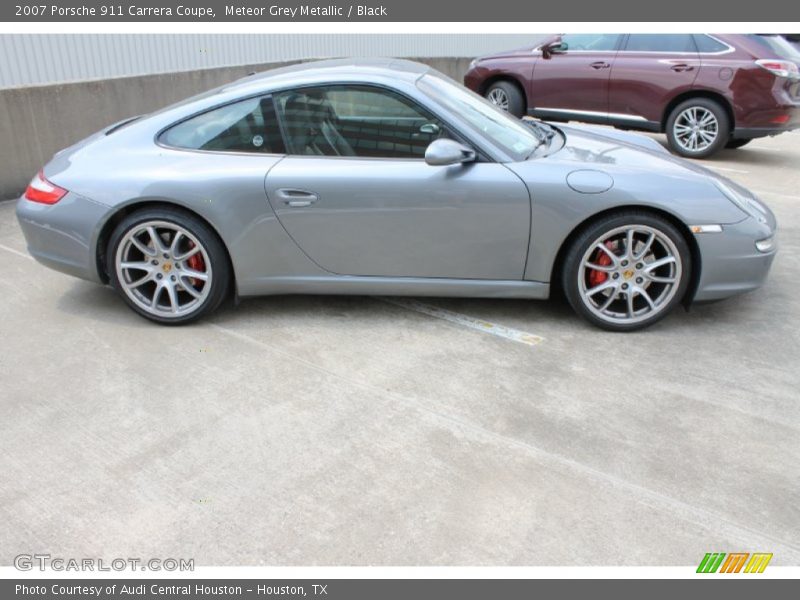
(547, 130)
(544, 133)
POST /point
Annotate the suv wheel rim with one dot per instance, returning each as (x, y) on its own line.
(499, 98)
(164, 269)
(695, 129)
(629, 274)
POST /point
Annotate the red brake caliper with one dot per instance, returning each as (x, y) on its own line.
(603, 259)
(196, 263)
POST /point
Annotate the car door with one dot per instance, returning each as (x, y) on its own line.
(571, 81)
(357, 196)
(649, 71)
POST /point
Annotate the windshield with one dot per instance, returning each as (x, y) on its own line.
(780, 46)
(508, 133)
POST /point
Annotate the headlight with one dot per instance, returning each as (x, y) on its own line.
(747, 203)
(474, 63)
(767, 244)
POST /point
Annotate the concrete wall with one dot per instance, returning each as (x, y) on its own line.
(35, 122)
(46, 59)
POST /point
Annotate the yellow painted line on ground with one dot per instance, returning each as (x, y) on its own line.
(509, 333)
(17, 252)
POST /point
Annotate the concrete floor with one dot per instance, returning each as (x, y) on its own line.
(352, 431)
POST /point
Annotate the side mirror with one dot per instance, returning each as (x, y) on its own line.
(444, 152)
(554, 47)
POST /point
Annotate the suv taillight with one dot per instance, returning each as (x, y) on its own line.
(781, 68)
(41, 190)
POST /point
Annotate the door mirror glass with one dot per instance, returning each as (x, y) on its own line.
(444, 152)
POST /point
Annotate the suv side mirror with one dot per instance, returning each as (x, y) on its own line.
(444, 152)
(554, 47)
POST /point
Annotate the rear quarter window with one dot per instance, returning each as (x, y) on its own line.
(244, 126)
(708, 45)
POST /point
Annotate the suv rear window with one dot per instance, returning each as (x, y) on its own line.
(658, 42)
(780, 46)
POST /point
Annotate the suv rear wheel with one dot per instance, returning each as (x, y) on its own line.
(698, 128)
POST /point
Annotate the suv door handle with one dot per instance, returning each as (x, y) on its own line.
(682, 67)
(296, 198)
(600, 64)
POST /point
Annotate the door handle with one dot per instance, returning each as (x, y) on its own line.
(600, 64)
(296, 198)
(682, 67)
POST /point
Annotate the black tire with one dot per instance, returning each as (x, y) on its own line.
(738, 143)
(572, 272)
(514, 96)
(723, 128)
(208, 240)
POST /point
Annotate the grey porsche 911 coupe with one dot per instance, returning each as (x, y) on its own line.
(386, 177)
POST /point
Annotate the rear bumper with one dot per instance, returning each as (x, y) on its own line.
(757, 132)
(731, 263)
(772, 121)
(62, 236)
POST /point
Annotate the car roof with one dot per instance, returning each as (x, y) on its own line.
(335, 69)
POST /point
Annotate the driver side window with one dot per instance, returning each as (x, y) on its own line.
(590, 42)
(356, 121)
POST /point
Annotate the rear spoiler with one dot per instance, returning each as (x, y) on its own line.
(119, 125)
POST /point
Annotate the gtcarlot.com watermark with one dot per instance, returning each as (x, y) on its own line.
(44, 562)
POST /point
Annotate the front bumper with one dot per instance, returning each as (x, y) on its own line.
(731, 263)
(63, 236)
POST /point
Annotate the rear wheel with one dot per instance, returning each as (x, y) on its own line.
(738, 143)
(626, 271)
(508, 97)
(698, 128)
(168, 265)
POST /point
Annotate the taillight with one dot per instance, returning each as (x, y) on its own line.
(781, 68)
(41, 190)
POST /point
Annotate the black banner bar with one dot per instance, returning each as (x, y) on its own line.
(704, 587)
(733, 11)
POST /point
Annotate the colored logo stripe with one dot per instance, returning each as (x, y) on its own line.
(733, 564)
(758, 562)
(711, 562)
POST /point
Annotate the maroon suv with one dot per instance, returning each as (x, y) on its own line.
(704, 91)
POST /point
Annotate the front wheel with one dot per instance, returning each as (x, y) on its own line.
(508, 97)
(168, 265)
(626, 271)
(698, 128)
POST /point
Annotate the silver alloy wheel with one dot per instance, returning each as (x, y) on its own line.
(499, 98)
(163, 268)
(695, 129)
(629, 274)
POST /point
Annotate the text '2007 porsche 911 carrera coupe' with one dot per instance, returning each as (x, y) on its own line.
(384, 177)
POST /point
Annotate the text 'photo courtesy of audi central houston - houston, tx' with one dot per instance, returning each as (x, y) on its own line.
(384, 177)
